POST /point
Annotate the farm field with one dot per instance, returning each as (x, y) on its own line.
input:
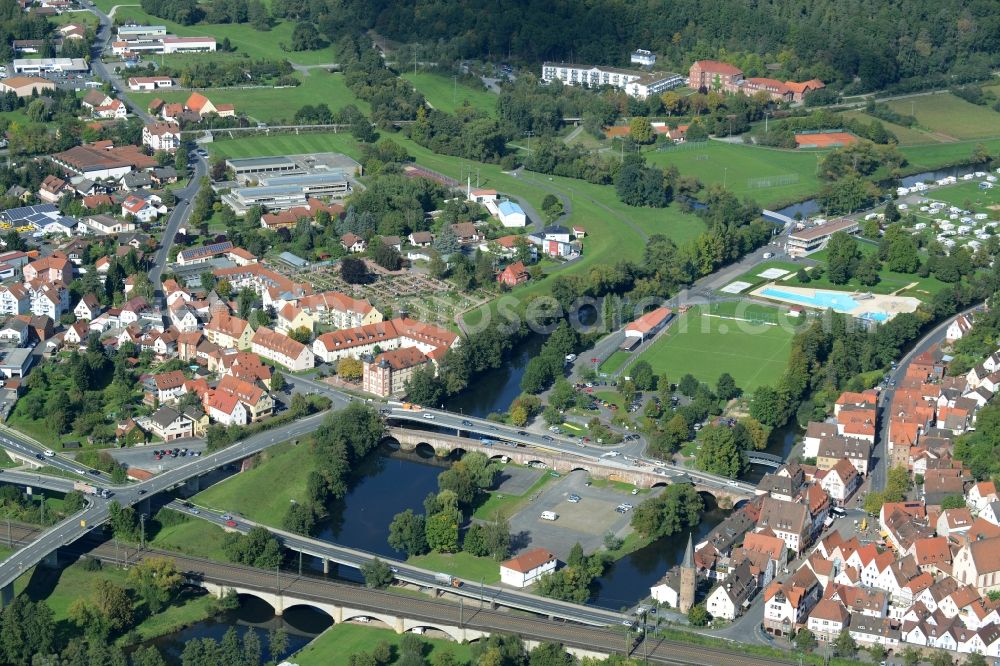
(950, 117)
(285, 144)
(242, 36)
(444, 94)
(769, 176)
(707, 346)
(907, 135)
(271, 105)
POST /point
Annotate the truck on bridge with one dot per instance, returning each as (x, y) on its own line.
(447, 579)
(88, 489)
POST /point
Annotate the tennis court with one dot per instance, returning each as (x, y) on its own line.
(824, 139)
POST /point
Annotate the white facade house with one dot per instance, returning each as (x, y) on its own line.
(50, 300)
(162, 136)
(636, 84)
(14, 300)
(525, 569)
(643, 57)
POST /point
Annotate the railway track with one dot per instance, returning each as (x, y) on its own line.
(314, 589)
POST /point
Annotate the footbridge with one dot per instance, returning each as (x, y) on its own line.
(766, 459)
(778, 218)
(636, 473)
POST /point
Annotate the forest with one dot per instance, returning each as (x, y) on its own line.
(880, 43)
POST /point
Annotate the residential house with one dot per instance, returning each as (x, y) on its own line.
(76, 333)
(514, 274)
(50, 299)
(88, 308)
(421, 238)
(14, 299)
(388, 373)
(258, 402)
(787, 605)
(353, 243)
(525, 569)
(165, 136)
(789, 521)
(840, 481)
(226, 330)
(226, 408)
(15, 332)
(52, 189)
(728, 599)
(168, 424)
(282, 350)
(169, 385)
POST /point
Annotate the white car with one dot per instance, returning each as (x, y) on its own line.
(49, 453)
(429, 416)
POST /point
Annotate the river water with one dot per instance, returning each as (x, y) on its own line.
(811, 207)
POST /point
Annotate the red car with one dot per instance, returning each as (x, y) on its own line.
(230, 523)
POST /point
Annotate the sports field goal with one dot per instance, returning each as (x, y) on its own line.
(762, 182)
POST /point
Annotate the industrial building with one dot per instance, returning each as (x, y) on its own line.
(284, 192)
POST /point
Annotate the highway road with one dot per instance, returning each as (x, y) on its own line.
(442, 610)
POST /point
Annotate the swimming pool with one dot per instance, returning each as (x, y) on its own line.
(836, 301)
(819, 299)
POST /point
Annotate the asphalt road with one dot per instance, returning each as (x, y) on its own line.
(179, 214)
(877, 478)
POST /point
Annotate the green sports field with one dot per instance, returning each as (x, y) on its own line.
(286, 144)
(707, 346)
(769, 176)
(950, 117)
(272, 105)
(445, 93)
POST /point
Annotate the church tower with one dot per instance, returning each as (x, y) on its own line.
(688, 580)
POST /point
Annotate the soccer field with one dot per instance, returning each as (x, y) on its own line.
(286, 144)
(707, 346)
(769, 176)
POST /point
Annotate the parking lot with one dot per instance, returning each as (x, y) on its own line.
(516, 480)
(142, 456)
(586, 521)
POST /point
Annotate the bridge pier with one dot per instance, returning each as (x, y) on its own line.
(193, 485)
(326, 567)
(399, 626)
(6, 594)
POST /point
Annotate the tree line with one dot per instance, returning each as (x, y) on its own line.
(860, 46)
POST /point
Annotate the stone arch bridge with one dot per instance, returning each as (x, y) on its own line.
(600, 468)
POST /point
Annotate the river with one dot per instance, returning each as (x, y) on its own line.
(301, 623)
(811, 207)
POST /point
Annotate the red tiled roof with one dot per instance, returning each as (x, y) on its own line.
(528, 561)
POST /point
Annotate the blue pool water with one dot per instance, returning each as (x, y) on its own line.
(835, 301)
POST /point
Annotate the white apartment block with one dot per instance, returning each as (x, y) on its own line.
(637, 84)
